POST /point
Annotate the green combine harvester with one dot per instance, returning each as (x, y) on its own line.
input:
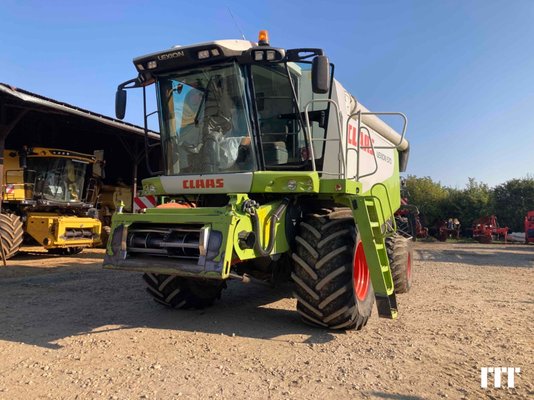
(269, 169)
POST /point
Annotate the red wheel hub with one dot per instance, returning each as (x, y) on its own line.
(360, 273)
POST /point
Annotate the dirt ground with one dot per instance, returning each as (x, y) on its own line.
(69, 329)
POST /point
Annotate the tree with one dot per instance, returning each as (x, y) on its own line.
(428, 196)
(468, 204)
(511, 201)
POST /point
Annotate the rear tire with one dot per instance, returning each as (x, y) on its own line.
(400, 254)
(178, 292)
(332, 282)
(11, 234)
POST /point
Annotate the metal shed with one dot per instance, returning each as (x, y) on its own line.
(30, 119)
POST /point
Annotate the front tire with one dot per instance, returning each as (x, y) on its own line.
(11, 234)
(178, 292)
(400, 255)
(332, 282)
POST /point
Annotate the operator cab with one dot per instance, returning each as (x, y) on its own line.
(48, 177)
(233, 106)
(57, 179)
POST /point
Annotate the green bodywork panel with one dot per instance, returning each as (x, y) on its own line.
(387, 192)
(372, 210)
(340, 186)
(244, 224)
(218, 219)
(277, 182)
(153, 186)
(229, 221)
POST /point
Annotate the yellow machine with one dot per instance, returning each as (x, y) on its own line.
(110, 197)
(48, 198)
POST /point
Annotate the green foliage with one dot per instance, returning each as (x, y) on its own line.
(509, 201)
(468, 204)
(428, 196)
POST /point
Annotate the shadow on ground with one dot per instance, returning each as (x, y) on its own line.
(44, 255)
(519, 256)
(392, 396)
(43, 308)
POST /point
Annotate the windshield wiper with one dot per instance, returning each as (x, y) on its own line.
(296, 104)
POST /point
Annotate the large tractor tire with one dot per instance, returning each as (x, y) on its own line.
(332, 282)
(178, 292)
(11, 233)
(400, 254)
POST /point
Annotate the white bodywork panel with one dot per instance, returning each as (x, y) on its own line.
(213, 183)
(378, 164)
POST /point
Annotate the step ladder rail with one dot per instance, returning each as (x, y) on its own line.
(311, 139)
(394, 224)
(382, 222)
(358, 147)
(367, 220)
(404, 126)
(358, 116)
(372, 148)
(348, 149)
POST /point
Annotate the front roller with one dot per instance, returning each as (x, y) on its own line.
(332, 282)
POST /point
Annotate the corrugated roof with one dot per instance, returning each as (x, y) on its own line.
(45, 102)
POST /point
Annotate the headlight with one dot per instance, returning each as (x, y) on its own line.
(150, 189)
(292, 185)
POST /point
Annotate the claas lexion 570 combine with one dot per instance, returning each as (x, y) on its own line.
(47, 196)
(271, 169)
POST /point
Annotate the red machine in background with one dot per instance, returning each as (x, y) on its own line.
(529, 227)
(408, 222)
(448, 229)
(486, 229)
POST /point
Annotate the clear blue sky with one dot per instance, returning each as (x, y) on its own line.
(463, 71)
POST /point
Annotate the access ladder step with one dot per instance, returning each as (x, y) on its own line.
(386, 306)
(370, 223)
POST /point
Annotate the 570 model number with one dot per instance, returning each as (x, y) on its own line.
(383, 157)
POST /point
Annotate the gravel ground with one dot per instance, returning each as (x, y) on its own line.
(69, 329)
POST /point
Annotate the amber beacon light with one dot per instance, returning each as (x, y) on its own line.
(263, 38)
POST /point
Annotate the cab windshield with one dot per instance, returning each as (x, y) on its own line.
(204, 121)
(282, 92)
(57, 179)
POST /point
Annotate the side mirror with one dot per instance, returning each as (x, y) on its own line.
(320, 75)
(120, 103)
